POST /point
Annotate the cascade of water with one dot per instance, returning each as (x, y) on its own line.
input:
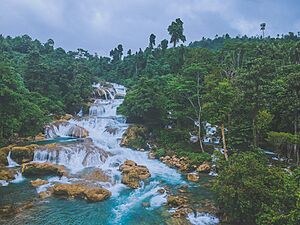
(11, 163)
(18, 178)
(106, 128)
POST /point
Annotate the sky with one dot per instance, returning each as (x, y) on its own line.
(100, 25)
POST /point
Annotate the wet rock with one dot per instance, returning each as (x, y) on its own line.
(93, 194)
(7, 174)
(3, 156)
(194, 177)
(204, 167)
(161, 191)
(21, 154)
(181, 163)
(45, 194)
(97, 194)
(38, 182)
(33, 169)
(151, 155)
(176, 201)
(69, 190)
(7, 211)
(39, 137)
(181, 212)
(182, 191)
(96, 175)
(177, 221)
(111, 130)
(132, 173)
(69, 129)
(135, 137)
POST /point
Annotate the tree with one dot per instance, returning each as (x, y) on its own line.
(152, 41)
(164, 44)
(249, 191)
(218, 104)
(176, 32)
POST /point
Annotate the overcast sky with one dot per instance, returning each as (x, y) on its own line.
(99, 25)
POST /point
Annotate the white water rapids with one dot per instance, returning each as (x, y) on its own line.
(105, 129)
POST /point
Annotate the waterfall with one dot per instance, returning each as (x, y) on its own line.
(11, 163)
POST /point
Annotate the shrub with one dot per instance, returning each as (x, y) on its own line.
(248, 191)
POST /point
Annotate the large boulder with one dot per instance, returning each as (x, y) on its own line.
(135, 137)
(19, 154)
(176, 201)
(3, 156)
(132, 173)
(38, 182)
(22, 154)
(93, 194)
(194, 177)
(33, 169)
(96, 194)
(7, 174)
(65, 128)
(204, 167)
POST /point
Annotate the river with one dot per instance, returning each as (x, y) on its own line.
(125, 204)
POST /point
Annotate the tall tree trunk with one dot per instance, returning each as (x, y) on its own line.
(224, 141)
(199, 134)
(295, 133)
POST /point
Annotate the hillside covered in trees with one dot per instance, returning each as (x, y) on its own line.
(247, 87)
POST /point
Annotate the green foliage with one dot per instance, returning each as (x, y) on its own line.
(248, 191)
(195, 158)
(160, 153)
(176, 31)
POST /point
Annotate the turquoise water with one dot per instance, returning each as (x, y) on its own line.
(125, 208)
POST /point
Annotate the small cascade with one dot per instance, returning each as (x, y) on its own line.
(11, 163)
(202, 219)
(18, 178)
(80, 113)
(65, 129)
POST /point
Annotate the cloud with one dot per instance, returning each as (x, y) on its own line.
(99, 25)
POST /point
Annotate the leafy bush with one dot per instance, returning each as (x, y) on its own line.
(195, 158)
(160, 153)
(248, 191)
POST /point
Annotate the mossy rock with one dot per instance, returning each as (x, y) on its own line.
(21, 154)
(135, 137)
(3, 156)
(34, 169)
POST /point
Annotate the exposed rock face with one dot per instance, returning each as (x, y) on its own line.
(38, 182)
(181, 163)
(39, 137)
(204, 167)
(96, 175)
(19, 154)
(41, 169)
(7, 174)
(97, 194)
(176, 201)
(45, 194)
(93, 194)
(135, 137)
(132, 173)
(65, 128)
(3, 155)
(22, 154)
(194, 177)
